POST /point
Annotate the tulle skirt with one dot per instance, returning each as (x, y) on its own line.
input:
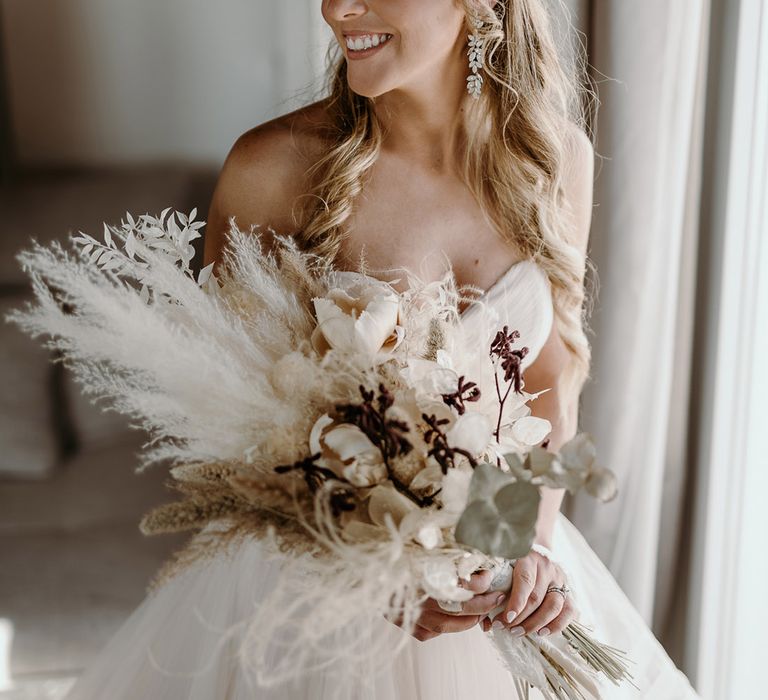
(179, 643)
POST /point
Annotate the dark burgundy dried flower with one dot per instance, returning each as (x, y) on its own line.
(444, 454)
(314, 474)
(388, 434)
(342, 498)
(501, 348)
(511, 361)
(341, 495)
(457, 398)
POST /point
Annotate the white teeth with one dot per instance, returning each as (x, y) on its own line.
(368, 41)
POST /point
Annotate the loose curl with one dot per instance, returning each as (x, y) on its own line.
(518, 138)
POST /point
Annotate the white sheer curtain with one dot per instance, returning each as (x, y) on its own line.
(680, 241)
(728, 610)
(648, 59)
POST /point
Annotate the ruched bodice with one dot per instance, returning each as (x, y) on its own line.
(521, 299)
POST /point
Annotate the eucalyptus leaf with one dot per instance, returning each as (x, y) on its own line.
(579, 453)
(500, 518)
(540, 461)
(518, 504)
(576, 460)
(514, 460)
(478, 526)
(517, 466)
(487, 479)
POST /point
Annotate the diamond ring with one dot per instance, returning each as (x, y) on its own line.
(562, 590)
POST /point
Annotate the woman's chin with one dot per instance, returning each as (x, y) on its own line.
(368, 88)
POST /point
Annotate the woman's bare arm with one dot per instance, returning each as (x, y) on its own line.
(544, 371)
(529, 607)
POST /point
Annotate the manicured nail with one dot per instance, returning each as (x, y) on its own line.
(543, 632)
(500, 598)
(511, 615)
(517, 631)
(486, 624)
(497, 625)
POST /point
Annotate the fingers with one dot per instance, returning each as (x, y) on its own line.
(441, 623)
(550, 608)
(524, 575)
(531, 608)
(480, 604)
(423, 634)
(434, 621)
(478, 582)
(559, 623)
(536, 598)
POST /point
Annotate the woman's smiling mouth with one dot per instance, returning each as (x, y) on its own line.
(361, 45)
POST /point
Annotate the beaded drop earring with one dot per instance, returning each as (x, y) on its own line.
(476, 61)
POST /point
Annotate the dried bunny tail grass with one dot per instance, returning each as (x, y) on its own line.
(215, 492)
(194, 512)
(435, 339)
(205, 473)
(274, 530)
(286, 495)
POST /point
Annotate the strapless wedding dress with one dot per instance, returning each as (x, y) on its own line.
(174, 645)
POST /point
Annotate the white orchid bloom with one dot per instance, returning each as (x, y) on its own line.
(455, 491)
(316, 432)
(430, 377)
(348, 452)
(471, 432)
(444, 359)
(385, 499)
(428, 480)
(360, 318)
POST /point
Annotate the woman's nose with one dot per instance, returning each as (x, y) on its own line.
(345, 9)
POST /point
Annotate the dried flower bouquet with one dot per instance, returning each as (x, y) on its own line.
(338, 421)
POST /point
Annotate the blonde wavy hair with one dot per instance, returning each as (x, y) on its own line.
(519, 135)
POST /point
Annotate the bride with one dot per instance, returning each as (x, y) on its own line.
(427, 142)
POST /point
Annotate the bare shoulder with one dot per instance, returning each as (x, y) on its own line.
(265, 175)
(578, 185)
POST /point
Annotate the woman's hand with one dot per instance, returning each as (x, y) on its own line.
(434, 621)
(529, 607)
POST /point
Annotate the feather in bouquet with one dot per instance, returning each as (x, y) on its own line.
(342, 423)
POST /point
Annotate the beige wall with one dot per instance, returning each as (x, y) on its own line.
(114, 81)
(120, 81)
